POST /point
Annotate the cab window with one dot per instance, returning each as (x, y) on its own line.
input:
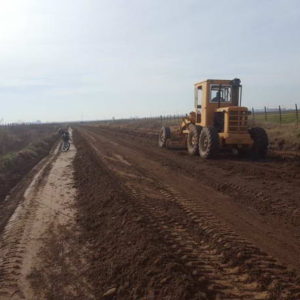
(198, 97)
(220, 93)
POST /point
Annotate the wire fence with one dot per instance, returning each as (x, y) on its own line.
(277, 115)
(25, 124)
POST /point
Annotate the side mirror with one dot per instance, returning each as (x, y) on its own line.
(199, 106)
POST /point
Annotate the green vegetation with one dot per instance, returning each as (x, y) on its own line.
(274, 117)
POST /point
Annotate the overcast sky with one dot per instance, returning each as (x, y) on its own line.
(95, 59)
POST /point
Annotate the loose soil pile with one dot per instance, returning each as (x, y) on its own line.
(129, 260)
(158, 227)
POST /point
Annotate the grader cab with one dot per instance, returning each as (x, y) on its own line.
(218, 122)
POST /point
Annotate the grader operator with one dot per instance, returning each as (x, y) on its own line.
(219, 122)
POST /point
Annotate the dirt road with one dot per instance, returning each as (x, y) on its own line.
(118, 218)
(233, 223)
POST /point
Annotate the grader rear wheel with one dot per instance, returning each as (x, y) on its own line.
(164, 135)
(208, 142)
(193, 140)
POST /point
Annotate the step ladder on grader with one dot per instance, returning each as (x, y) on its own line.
(218, 122)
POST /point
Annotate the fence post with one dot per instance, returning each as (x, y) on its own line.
(297, 115)
(266, 114)
(280, 115)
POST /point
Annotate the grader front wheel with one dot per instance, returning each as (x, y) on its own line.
(208, 142)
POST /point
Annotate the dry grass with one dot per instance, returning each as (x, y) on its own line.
(17, 137)
(284, 137)
(21, 148)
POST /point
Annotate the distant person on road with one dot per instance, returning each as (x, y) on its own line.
(65, 136)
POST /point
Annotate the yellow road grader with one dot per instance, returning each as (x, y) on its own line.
(218, 122)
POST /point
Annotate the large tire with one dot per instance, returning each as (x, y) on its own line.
(164, 135)
(208, 142)
(260, 142)
(193, 140)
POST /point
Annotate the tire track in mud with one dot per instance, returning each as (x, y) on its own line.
(226, 265)
(255, 190)
(229, 274)
(259, 194)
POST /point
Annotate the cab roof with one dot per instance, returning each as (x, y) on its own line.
(214, 81)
